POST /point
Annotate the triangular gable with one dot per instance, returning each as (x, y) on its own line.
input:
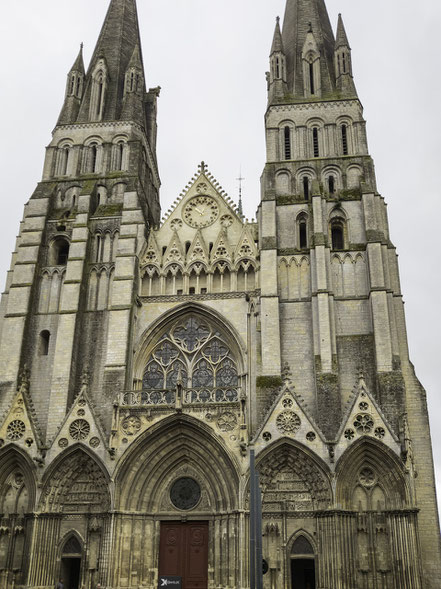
(203, 182)
(287, 418)
(80, 426)
(221, 249)
(198, 251)
(152, 254)
(19, 426)
(364, 418)
(246, 248)
(174, 251)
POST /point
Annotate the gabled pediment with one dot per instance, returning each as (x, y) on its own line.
(221, 249)
(174, 251)
(246, 248)
(80, 426)
(288, 418)
(152, 253)
(198, 251)
(364, 418)
(19, 425)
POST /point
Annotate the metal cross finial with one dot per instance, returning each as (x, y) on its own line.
(240, 180)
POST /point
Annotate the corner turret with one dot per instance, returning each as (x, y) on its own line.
(343, 62)
(74, 91)
(277, 87)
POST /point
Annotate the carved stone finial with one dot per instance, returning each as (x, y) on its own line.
(277, 19)
(286, 374)
(85, 379)
(203, 167)
(24, 379)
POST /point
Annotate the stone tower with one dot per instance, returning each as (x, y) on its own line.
(141, 360)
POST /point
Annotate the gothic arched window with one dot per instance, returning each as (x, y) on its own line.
(196, 354)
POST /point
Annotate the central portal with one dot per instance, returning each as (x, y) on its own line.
(183, 552)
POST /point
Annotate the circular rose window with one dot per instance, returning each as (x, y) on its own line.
(185, 493)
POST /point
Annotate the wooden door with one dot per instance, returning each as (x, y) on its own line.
(183, 552)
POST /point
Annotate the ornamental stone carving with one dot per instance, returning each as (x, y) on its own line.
(227, 421)
(288, 423)
(16, 430)
(79, 429)
(367, 477)
(131, 425)
(364, 423)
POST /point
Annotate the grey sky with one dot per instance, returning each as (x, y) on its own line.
(210, 59)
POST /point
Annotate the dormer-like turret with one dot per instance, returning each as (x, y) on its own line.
(343, 61)
(74, 91)
(277, 87)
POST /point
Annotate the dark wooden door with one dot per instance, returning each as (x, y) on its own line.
(183, 552)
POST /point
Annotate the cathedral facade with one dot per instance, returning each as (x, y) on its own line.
(141, 360)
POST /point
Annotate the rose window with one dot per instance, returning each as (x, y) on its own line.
(197, 355)
(364, 423)
(288, 422)
(79, 429)
(380, 432)
(16, 429)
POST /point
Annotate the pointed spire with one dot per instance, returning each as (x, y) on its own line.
(277, 45)
(302, 17)
(78, 65)
(343, 62)
(136, 60)
(115, 47)
(341, 37)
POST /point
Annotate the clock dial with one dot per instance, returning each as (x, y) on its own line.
(201, 211)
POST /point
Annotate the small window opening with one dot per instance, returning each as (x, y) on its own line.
(277, 68)
(187, 246)
(210, 247)
(203, 291)
(132, 81)
(337, 236)
(72, 85)
(339, 64)
(62, 252)
(306, 187)
(100, 97)
(65, 161)
(192, 290)
(93, 157)
(119, 156)
(45, 337)
(180, 291)
(303, 234)
(331, 184)
(287, 143)
(344, 62)
(315, 139)
(137, 82)
(78, 86)
(164, 249)
(311, 78)
(344, 139)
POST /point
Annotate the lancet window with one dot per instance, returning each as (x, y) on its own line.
(196, 355)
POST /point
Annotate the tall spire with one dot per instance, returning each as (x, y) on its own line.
(115, 47)
(308, 20)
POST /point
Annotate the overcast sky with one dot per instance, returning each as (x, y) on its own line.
(210, 59)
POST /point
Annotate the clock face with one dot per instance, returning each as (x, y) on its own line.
(201, 211)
